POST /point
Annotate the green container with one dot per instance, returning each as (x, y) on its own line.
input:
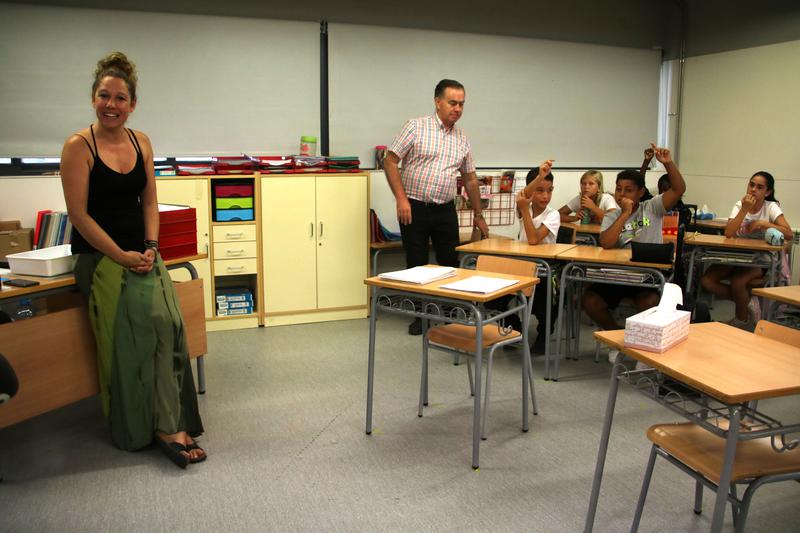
(234, 203)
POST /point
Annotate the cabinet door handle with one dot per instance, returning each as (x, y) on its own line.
(235, 269)
(234, 253)
(237, 235)
(320, 229)
(311, 228)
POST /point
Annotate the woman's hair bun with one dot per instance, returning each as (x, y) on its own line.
(118, 65)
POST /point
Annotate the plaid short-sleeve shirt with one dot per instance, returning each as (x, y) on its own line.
(432, 156)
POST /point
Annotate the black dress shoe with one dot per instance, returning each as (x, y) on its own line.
(415, 328)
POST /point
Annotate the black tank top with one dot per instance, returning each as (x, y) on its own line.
(114, 201)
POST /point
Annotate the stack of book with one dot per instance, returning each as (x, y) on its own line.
(343, 164)
(304, 163)
(275, 164)
(52, 229)
(233, 165)
(617, 274)
(234, 301)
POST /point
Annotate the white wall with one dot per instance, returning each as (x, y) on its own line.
(527, 99)
(741, 115)
(207, 85)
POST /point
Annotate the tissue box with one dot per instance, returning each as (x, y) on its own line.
(656, 331)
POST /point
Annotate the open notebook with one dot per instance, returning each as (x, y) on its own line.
(480, 284)
(419, 275)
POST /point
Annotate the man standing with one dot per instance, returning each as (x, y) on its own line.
(433, 151)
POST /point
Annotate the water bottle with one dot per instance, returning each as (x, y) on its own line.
(24, 309)
(586, 216)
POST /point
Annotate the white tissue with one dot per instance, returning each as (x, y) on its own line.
(671, 297)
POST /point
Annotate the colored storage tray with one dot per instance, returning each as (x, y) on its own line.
(178, 251)
(228, 190)
(175, 219)
(234, 203)
(227, 215)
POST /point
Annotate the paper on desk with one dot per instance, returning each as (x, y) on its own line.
(420, 274)
(480, 284)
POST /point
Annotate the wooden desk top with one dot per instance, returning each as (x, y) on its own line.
(67, 280)
(730, 364)
(433, 288)
(512, 247)
(613, 256)
(594, 229)
(732, 243)
(463, 238)
(715, 224)
(789, 294)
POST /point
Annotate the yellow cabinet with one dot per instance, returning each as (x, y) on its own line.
(314, 247)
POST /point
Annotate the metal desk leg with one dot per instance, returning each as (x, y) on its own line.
(201, 375)
(371, 359)
(476, 415)
(548, 318)
(526, 365)
(375, 261)
(604, 436)
(727, 470)
(690, 276)
(562, 303)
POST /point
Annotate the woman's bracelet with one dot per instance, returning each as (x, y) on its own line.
(150, 244)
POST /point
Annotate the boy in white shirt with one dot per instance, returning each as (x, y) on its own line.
(538, 224)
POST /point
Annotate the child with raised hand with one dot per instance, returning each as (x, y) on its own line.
(591, 200)
(637, 219)
(539, 222)
(751, 217)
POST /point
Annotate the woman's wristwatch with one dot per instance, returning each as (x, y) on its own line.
(148, 243)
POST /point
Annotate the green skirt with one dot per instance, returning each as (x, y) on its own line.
(145, 375)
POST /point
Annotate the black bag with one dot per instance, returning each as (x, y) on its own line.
(648, 252)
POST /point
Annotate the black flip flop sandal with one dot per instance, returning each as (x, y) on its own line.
(173, 452)
(194, 446)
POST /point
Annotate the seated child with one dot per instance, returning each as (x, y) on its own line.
(592, 199)
(637, 219)
(538, 224)
(751, 216)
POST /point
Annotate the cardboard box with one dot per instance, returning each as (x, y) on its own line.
(14, 238)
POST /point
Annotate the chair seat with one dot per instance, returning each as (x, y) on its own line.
(460, 337)
(703, 451)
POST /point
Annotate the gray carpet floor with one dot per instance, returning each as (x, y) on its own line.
(284, 415)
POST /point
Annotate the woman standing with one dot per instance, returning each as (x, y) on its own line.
(146, 382)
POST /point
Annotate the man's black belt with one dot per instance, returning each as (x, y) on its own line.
(431, 205)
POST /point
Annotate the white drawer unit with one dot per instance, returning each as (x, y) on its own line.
(235, 250)
(234, 267)
(234, 232)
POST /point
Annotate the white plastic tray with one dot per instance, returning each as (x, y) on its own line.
(48, 262)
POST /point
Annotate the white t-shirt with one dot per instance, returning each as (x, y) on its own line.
(607, 202)
(549, 218)
(770, 212)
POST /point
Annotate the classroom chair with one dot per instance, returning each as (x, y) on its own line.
(699, 453)
(460, 339)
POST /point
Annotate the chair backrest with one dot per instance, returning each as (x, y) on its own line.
(566, 235)
(504, 265)
(774, 331)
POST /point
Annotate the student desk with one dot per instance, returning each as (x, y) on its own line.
(733, 251)
(592, 264)
(724, 369)
(430, 302)
(788, 294)
(714, 227)
(53, 354)
(541, 254)
(376, 248)
(590, 232)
